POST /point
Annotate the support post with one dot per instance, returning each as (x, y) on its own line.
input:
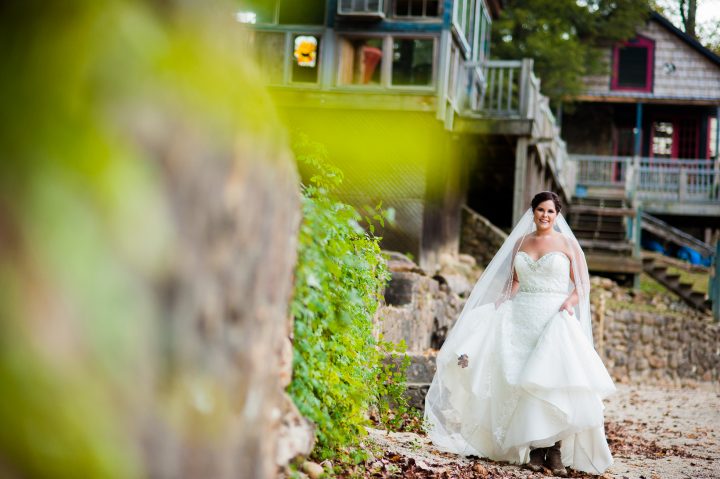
(519, 205)
(637, 232)
(638, 129)
(525, 72)
(717, 135)
(682, 186)
(715, 282)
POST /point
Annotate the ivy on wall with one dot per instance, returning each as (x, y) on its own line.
(338, 369)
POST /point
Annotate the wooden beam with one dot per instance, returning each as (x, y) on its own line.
(606, 263)
(521, 165)
(354, 100)
(484, 125)
(669, 235)
(604, 244)
(646, 100)
(602, 210)
(676, 208)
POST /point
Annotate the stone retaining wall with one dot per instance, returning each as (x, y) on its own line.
(653, 337)
(480, 238)
(641, 337)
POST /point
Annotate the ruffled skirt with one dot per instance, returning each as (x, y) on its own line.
(531, 378)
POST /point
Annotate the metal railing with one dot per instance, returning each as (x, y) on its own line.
(651, 178)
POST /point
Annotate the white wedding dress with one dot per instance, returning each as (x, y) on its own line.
(531, 377)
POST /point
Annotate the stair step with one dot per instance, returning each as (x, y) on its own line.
(589, 201)
(658, 270)
(697, 296)
(685, 288)
(673, 279)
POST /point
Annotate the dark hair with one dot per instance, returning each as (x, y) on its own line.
(544, 196)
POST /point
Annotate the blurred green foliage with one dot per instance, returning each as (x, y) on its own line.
(87, 91)
(339, 369)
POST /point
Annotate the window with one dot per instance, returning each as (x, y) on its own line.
(269, 50)
(712, 136)
(662, 140)
(288, 56)
(360, 61)
(412, 62)
(417, 8)
(384, 61)
(481, 46)
(305, 59)
(286, 12)
(676, 138)
(633, 65)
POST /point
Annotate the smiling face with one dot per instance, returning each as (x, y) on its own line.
(544, 215)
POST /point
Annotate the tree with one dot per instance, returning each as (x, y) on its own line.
(567, 38)
(688, 11)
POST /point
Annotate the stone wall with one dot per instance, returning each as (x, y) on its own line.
(480, 238)
(653, 337)
(420, 308)
(641, 337)
(147, 248)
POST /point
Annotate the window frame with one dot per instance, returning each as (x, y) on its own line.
(437, 17)
(386, 63)
(289, 33)
(638, 42)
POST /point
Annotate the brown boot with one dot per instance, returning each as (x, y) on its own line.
(537, 459)
(553, 461)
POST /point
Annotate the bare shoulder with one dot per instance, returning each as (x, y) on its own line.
(566, 244)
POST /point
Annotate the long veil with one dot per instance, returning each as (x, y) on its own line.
(495, 283)
(494, 286)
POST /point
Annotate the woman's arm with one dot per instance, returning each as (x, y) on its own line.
(572, 299)
(513, 290)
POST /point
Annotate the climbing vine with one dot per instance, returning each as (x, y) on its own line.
(338, 370)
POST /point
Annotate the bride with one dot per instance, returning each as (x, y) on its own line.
(518, 378)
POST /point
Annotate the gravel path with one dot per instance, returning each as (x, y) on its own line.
(654, 432)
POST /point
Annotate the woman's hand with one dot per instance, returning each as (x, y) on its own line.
(568, 306)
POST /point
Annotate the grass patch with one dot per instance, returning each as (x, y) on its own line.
(698, 280)
(649, 285)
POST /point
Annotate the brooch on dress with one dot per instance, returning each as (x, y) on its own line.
(463, 360)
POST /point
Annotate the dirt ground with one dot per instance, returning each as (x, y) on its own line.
(654, 432)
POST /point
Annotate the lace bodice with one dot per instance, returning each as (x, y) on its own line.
(549, 274)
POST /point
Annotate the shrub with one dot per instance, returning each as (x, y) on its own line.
(338, 372)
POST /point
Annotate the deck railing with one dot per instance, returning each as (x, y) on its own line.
(498, 89)
(651, 178)
(509, 90)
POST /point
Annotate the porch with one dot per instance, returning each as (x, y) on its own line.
(659, 186)
(502, 97)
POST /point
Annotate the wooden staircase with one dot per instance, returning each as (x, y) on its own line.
(656, 266)
(600, 225)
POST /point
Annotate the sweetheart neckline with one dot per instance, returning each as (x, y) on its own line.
(527, 255)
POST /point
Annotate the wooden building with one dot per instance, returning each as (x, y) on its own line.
(404, 96)
(644, 137)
